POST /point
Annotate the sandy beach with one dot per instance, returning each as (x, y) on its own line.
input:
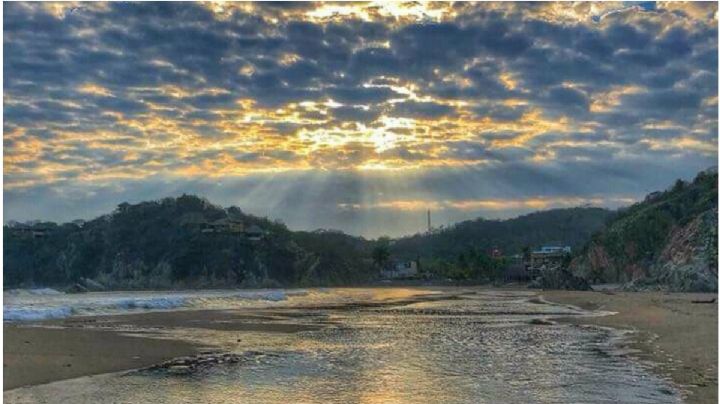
(671, 331)
(36, 355)
(676, 334)
(92, 345)
(54, 350)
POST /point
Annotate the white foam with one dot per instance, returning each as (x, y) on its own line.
(156, 303)
(42, 304)
(271, 295)
(35, 314)
(35, 292)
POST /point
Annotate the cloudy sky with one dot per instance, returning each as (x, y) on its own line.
(354, 116)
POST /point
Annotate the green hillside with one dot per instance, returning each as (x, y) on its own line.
(668, 240)
(189, 242)
(180, 242)
(572, 227)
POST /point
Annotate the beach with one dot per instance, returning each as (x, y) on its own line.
(680, 337)
(671, 331)
(59, 349)
(36, 355)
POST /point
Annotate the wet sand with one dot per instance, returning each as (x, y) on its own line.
(63, 349)
(86, 346)
(679, 336)
(673, 332)
(36, 355)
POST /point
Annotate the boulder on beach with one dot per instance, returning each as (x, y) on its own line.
(86, 285)
(559, 279)
(77, 288)
(92, 285)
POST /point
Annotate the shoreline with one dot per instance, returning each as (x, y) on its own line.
(676, 337)
(46, 351)
(669, 331)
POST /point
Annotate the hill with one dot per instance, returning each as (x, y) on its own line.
(187, 242)
(572, 227)
(180, 242)
(667, 241)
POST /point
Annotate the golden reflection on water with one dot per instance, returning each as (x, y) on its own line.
(479, 348)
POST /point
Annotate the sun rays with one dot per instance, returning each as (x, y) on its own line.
(356, 109)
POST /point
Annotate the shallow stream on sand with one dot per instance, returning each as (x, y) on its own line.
(477, 347)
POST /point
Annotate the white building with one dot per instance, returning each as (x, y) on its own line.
(553, 250)
(404, 269)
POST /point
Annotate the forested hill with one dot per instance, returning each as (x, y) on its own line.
(187, 242)
(180, 242)
(572, 227)
(669, 240)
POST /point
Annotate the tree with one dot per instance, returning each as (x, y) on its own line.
(526, 253)
(678, 186)
(381, 252)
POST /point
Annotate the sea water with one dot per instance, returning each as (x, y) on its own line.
(43, 304)
(463, 347)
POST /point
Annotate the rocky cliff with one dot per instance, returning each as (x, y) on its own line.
(668, 241)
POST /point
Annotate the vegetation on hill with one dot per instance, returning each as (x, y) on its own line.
(189, 242)
(480, 250)
(571, 227)
(175, 242)
(669, 239)
(164, 244)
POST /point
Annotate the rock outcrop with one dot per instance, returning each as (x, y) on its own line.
(559, 279)
(668, 241)
(688, 261)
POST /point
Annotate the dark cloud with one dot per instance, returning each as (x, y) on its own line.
(663, 102)
(500, 113)
(508, 64)
(624, 36)
(568, 99)
(201, 50)
(675, 42)
(361, 95)
(355, 114)
(426, 110)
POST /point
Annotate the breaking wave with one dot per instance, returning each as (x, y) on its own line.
(33, 292)
(35, 314)
(46, 304)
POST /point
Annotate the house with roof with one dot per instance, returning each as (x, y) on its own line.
(400, 270)
(546, 258)
(225, 225)
(254, 233)
(33, 230)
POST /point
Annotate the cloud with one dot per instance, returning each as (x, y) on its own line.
(529, 93)
(355, 114)
(425, 110)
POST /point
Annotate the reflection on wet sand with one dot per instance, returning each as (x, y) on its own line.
(457, 347)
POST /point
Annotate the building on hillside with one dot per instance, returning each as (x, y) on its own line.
(197, 221)
(36, 230)
(254, 233)
(401, 270)
(547, 257)
(225, 225)
(496, 253)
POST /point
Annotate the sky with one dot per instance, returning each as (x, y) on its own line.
(354, 116)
